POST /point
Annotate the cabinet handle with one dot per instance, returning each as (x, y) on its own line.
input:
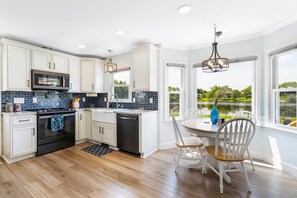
(24, 120)
(70, 85)
(134, 84)
(54, 66)
(49, 65)
(33, 131)
(102, 130)
(80, 116)
(99, 129)
(92, 86)
(28, 83)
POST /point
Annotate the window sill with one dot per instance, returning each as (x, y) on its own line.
(286, 130)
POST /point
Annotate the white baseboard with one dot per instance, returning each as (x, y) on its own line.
(289, 168)
(257, 155)
(166, 145)
(147, 154)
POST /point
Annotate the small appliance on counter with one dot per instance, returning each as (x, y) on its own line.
(9, 107)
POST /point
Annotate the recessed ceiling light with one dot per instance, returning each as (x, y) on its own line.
(119, 32)
(184, 9)
(81, 46)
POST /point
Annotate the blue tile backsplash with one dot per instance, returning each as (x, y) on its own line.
(55, 99)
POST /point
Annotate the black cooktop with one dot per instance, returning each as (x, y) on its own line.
(52, 110)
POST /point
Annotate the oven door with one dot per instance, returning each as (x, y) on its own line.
(45, 135)
(49, 80)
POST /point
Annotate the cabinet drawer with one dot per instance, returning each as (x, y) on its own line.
(21, 120)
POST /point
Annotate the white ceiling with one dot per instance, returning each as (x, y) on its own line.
(63, 24)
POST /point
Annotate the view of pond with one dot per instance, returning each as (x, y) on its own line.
(226, 109)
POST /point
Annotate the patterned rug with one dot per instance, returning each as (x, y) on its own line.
(97, 150)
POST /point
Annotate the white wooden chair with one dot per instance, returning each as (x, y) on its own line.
(192, 114)
(248, 115)
(187, 147)
(240, 132)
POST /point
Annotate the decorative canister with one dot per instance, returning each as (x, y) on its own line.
(17, 107)
(75, 105)
(9, 107)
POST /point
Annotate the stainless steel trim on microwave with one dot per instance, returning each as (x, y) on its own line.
(62, 76)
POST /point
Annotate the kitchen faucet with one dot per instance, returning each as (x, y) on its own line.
(116, 97)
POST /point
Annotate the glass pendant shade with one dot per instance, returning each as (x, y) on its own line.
(110, 67)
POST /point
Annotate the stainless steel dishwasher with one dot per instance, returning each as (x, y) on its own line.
(128, 133)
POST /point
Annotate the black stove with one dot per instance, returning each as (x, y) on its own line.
(50, 139)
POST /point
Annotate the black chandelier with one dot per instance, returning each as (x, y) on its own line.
(215, 63)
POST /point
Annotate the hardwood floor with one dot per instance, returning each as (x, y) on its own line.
(74, 173)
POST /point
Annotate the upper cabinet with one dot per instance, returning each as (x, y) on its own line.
(48, 60)
(73, 67)
(91, 75)
(15, 66)
(145, 68)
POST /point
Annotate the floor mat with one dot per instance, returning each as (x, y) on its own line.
(97, 150)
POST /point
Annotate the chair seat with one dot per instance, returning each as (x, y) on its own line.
(191, 142)
(211, 151)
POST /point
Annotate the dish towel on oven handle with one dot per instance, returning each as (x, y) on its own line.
(57, 122)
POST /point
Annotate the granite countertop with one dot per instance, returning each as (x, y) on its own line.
(126, 111)
(20, 113)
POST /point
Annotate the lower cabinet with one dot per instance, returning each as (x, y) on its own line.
(104, 133)
(83, 125)
(19, 137)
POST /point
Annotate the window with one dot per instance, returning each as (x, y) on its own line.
(284, 85)
(121, 81)
(174, 91)
(240, 83)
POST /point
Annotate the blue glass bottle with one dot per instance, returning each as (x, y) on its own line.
(214, 115)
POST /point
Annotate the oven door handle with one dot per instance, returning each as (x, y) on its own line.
(65, 115)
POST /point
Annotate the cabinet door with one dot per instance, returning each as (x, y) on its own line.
(60, 64)
(98, 76)
(41, 61)
(141, 69)
(96, 132)
(18, 68)
(82, 126)
(23, 140)
(87, 76)
(74, 75)
(108, 134)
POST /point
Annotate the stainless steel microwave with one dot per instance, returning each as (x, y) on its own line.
(49, 80)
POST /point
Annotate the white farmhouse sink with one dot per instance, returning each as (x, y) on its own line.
(103, 115)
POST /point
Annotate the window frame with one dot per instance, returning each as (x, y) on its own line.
(273, 81)
(129, 88)
(255, 86)
(181, 92)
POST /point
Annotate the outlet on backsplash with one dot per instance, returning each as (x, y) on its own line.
(151, 100)
(84, 99)
(19, 100)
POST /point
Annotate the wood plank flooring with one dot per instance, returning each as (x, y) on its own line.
(74, 173)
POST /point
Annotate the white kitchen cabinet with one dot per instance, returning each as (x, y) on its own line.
(145, 68)
(104, 133)
(15, 66)
(83, 125)
(91, 75)
(73, 67)
(19, 136)
(47, 60)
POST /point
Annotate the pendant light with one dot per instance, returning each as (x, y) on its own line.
(215, 63)
(110, 67)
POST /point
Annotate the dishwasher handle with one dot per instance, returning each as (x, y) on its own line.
(127, 118)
